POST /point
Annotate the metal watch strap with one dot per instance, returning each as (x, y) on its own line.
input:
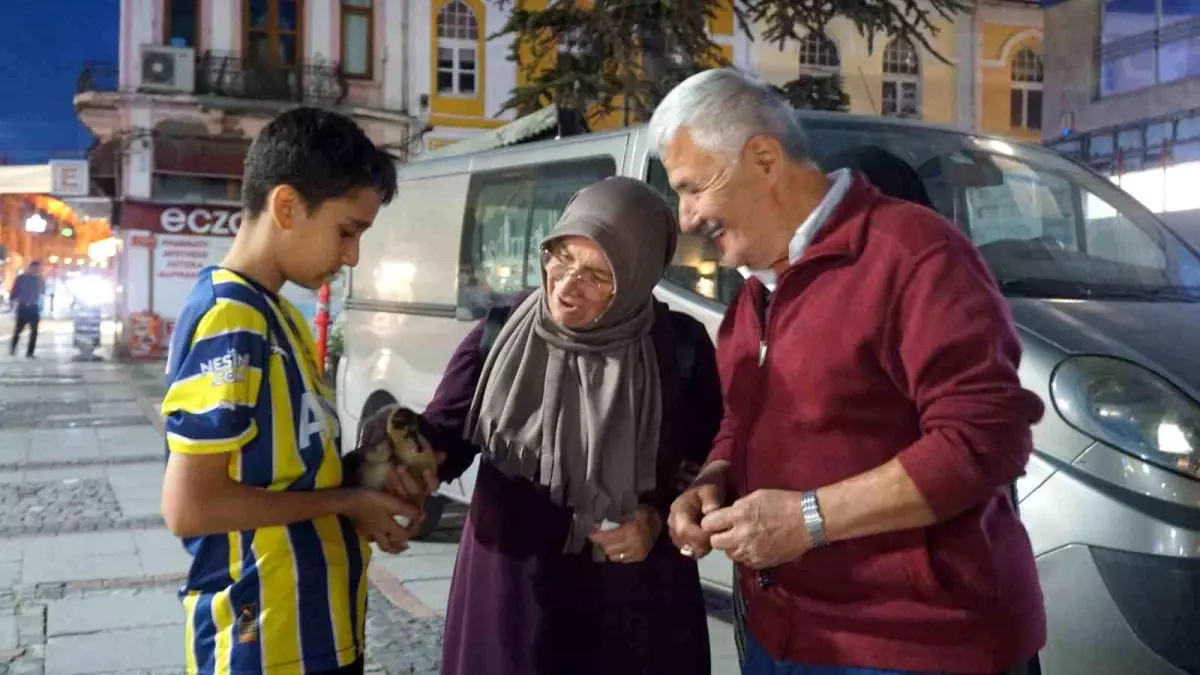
(811, 511)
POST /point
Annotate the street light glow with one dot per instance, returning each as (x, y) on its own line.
(36, 224)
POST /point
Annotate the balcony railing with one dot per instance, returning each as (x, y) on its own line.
(98, 77)
(238, 77)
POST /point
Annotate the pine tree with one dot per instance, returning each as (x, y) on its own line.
(624, 55)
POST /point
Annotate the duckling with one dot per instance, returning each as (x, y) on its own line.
(404, 445)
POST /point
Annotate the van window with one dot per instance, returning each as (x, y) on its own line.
(508, 213)
(1032, 205)
(696, 266)
(1045, 226)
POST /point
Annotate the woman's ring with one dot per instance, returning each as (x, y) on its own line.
(620, 556)
(687, 550)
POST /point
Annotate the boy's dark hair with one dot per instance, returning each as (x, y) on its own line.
(322, 154)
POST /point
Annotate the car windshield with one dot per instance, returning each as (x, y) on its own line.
(1045, 226)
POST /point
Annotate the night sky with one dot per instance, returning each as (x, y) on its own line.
(43, 45)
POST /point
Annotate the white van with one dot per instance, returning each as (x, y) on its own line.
(1106, 300)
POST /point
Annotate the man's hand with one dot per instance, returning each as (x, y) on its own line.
(632, 541)
(706, 495)
(761, 530)
(383, 519)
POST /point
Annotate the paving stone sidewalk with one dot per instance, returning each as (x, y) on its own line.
(88, 575)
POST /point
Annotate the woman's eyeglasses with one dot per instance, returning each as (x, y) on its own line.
(558, 267)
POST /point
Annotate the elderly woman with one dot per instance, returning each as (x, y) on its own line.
(586, 419)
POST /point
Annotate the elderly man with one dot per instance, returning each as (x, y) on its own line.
(874, 419)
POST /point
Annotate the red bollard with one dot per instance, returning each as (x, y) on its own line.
(322, 321)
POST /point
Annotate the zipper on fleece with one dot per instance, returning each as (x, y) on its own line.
(765, 321)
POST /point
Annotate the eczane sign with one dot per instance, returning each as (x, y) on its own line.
(201, 220)
(206, 220)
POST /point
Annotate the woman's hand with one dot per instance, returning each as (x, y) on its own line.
(632, 541)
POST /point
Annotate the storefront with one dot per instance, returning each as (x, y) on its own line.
(163, 249)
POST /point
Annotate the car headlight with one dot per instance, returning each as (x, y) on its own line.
(1131, 408)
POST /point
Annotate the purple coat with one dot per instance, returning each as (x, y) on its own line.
(518, 605)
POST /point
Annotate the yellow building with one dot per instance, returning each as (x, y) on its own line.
(468, 77)
(994, 84)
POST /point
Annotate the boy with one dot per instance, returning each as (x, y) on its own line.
(252, 486)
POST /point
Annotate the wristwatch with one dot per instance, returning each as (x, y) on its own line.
(811, 510)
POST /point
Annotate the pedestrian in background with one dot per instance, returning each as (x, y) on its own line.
(26, 297)
(253, 478)
(874, 418)
(590, 403)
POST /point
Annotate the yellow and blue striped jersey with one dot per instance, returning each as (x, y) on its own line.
(243, 381)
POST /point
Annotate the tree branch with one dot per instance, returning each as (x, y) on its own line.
(595, 58)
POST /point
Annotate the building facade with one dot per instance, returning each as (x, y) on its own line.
(468, 77)
(991, 83)
(195, 81)
(1125, 83)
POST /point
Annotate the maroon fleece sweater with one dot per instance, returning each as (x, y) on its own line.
(888, 338)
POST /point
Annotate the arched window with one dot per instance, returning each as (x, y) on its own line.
(457, 49)
(818, 55)
(1026, 101)
(901, 79)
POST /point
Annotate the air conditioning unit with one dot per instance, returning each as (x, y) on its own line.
(170, 70)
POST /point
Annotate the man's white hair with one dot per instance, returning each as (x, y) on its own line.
(721, 109)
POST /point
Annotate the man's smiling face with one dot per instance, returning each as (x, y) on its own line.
(727, 202)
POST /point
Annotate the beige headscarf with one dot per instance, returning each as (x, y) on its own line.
(579, 410)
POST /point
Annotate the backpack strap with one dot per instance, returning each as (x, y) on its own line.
(496, 316)
(685, 345)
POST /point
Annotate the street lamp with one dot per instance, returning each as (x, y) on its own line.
(36, 224)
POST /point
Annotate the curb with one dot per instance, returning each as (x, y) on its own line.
(393, 589)
(90, 461)
(52, 589)
(80, 526)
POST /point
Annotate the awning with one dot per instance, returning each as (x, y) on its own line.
(31, 179)
(200, 156)
(522, 129)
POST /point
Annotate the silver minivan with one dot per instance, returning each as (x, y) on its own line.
(1106, 300)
